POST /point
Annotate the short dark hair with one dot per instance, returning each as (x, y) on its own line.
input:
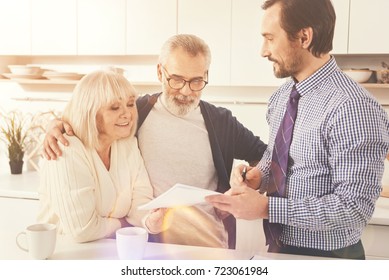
(299, 14)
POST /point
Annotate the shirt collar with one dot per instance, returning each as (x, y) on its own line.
(313, 81)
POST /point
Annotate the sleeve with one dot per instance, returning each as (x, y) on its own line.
(265, 163)
(248, 147)
(71, 184)
(142, 191)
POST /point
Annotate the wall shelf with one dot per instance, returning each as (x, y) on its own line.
(41, 81)
(61, 82)
(145, 83)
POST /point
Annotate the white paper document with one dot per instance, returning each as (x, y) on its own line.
(178, 195)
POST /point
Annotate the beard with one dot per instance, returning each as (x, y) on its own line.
(181, 105)
(287, 68)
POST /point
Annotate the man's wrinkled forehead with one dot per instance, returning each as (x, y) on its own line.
(186, 65)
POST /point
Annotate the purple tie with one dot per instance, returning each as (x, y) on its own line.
(279, 164)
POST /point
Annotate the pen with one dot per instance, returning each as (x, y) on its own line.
(244, 173)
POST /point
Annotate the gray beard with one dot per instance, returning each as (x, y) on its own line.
(176, 108)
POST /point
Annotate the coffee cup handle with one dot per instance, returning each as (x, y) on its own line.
(17, 241)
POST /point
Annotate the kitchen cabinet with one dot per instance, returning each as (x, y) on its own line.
(368, 31)
(210, 20)
(16, 33)
(340, 42)
(233, 29)
(247, 104)
(359, 28)
(375, 241)
(248, 67)
(253, 116)
(101, 27)
(149, 24)
(250, 236)
(19, 204)
(54, 32)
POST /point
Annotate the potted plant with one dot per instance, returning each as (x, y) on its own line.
(15, 134)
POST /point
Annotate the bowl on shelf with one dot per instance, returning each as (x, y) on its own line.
(358, 75)
(382, 76)
(24, 69)
(54, 75)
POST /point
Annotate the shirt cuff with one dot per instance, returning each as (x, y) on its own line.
(278, 210)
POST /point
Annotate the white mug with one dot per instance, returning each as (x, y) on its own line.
(131, 243)
(41, 239)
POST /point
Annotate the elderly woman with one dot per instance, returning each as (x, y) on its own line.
(98, 183)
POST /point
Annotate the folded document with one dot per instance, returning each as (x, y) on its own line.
(178, 195)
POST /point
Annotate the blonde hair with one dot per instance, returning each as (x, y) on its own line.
(92, 92)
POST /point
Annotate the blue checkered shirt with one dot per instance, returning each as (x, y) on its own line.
(336, 160)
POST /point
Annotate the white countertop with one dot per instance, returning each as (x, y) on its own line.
(105, 249)
(25, 186)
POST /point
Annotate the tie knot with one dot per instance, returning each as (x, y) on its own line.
(294, 94)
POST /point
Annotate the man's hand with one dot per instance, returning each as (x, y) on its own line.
(252, 178)
(158, 220)
(54, 133)
(242, 202)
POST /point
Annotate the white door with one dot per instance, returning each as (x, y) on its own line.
(248, 67)
(210, 20)
(54, 27)
(149, 24)
(368, 27)
(340, 43)
(101, 27)
(15, 27)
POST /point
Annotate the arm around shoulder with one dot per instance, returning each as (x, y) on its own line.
(54, 133)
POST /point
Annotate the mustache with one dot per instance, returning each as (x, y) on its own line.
(184, 98)
(272, 59)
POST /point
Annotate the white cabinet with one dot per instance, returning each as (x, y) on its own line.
(375, 241)
(210, 20)
(149, 24)
(15, 23)
(340, 42)
(251, 115)
(54, 27)
(232, 30)
(248, 67)
(368, 27)
(250, 236)
(102, 27)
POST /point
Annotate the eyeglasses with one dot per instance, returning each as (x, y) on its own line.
(178, 83)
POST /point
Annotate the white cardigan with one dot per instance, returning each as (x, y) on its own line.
(86, 200)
